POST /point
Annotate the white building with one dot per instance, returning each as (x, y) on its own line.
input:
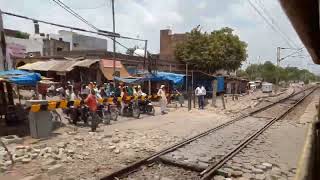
(80, 42)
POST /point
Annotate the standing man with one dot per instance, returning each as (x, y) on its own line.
(163, 100)
(91, 101)
(203, 94)
(198, 94)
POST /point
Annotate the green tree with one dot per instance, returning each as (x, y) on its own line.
(22, 35)
(242, 73)
(220, 49)
(254, 71)
(269, 72)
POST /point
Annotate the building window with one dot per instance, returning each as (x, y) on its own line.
(59, 49)
(75, 44)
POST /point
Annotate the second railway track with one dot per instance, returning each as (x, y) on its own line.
(200, 156)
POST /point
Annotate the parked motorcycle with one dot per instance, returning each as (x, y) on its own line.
(107, 112)
(132, 109)
(146, 106)
(77, 114)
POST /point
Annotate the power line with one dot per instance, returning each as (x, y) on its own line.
(67, 8)
(102, 5)
(273, 21)
(267, 21)
(291, 55)
(102, 33)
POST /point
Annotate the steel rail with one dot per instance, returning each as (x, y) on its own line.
(133, 167)
(209, 172)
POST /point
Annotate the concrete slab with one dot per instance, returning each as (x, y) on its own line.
(311, 112)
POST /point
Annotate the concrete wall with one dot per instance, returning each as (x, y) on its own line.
(81, 42)
(32, 45)
(52, 47)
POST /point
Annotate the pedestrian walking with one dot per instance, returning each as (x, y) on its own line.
(197, 92)
(163, 99)
(202, 95)
(91, 101)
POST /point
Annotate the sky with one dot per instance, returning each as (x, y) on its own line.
(145, 18)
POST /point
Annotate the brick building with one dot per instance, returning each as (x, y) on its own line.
(168, 42)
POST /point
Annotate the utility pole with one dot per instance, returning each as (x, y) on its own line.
(145, 54)
(278, 66)
(3, 65)
(114, 39)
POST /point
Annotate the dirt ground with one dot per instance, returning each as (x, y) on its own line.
(75, 153)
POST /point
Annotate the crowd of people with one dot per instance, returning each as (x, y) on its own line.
(69, 92)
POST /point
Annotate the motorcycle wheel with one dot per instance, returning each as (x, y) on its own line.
(73, 117)
(136, 112)
(114, 114)
(106, 117)
(152, 111)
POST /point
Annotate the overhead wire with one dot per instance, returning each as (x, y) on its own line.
(273, 21)
(102, 5)
(270, 24)
(63, 26)
(291, 55)
(68, 8)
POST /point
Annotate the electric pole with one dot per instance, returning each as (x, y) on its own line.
(114, 39)
(278, 67)
(3, 65)
(145, 54)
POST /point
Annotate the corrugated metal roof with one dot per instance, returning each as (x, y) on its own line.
(86, 63)
(38, 66)
(62, 66)
(108, 71)
(58, 65)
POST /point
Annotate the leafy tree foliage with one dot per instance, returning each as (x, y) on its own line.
(220, 49)
(22, 35)
(269, 72)
(242, 73)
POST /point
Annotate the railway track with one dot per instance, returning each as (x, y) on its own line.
(200, 156)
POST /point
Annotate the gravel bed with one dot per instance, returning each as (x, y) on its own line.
(212, 147)
(159, 171)
(271, 155)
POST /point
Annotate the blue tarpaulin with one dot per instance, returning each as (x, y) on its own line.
(127, 80)
(220, 84)
(166, 76)
(13, 73)
(20, 77)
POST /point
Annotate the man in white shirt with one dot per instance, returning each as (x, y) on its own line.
(198, 94)
(163, 99)
(203, 94)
